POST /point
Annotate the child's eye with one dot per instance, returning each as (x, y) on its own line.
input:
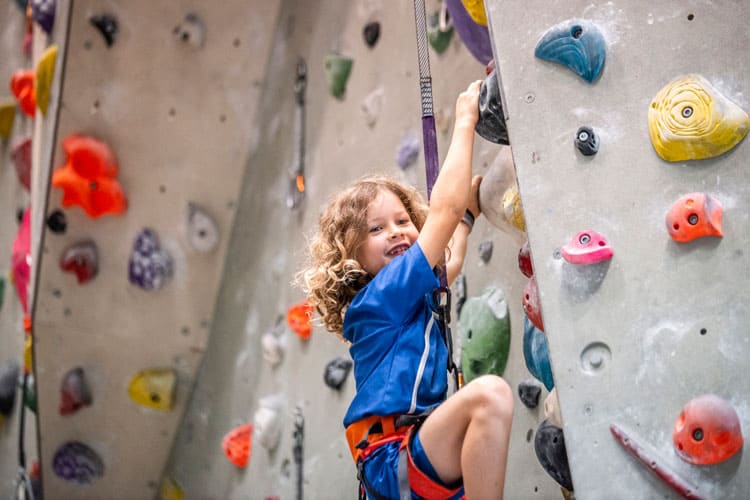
(375, 229)
(403, 221)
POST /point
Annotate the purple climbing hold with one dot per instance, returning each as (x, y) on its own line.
(76, 462)
(43, 13)
(475, 37)
(408, 151)
(150, 266)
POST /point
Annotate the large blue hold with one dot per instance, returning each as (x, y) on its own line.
(536, 353)
(576, 44)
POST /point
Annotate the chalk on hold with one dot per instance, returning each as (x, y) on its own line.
(587, 247)
(549, 446)
(107, 26)
(202, 230)
(491, 124)
(82, 259)
(22, 86)
(88, 178)
(45, 71)
(371, 33)
(237, 444)
(7, 117)
(9, 373)
(150, 267)
(689, 119)
(191, 30)
(273, 348)
(694, 215)
(154, 388)
(485, 334)
(267, 421)
(299, 317)
(524, 260)
(336, 372)
(513, 209)
(74, 392)
(529, 392)
(707, 431)
(43, 13)
(439, 32)
(576, 44)
(76, 462)
(586, 141)
(536, 354)
(337, 70)
(372, 105)
(531, 305)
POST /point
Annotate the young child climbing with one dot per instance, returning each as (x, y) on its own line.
(371, 278)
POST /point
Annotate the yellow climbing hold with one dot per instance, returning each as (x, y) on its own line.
(45, 70)
(512, 207)
(153, 388)
(7, 116)
(476, 11)
(690, 120)
(28, 359)
(170, 490)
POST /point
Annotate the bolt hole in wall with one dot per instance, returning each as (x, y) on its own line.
(703, 331)
(690, 17)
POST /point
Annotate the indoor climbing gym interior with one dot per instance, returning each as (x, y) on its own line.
(163, 170)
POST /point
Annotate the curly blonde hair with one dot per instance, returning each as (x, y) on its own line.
(334, 276)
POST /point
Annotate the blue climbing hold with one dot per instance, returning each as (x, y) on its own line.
(536, 353)
(576, 44)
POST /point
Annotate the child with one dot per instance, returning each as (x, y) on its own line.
(371, 279)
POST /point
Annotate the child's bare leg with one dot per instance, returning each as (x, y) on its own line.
(468, 436)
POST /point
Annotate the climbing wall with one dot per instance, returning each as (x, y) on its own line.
(634, 339)
(173, 92)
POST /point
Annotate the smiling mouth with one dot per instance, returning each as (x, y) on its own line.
(397, 250)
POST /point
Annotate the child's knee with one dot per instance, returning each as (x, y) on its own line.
(493, 393)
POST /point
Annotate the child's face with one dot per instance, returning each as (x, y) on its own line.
(390, 232)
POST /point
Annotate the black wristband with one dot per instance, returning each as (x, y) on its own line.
(468, 219)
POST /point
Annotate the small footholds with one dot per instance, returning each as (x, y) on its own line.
(485, 251)
(524, 260)
(586, 141)
(587, 247)
(21, 156)
(529, 392)
(707, 431)
(203, 232)
(694, 215)
(107, 26)
(82, 259)
(74, 392)
(336, 372)
(57, 222)
(77, 462)
(531, 305)
(268, 422)
(337, 70)
(237, 444)
(154, 388)
(299, 318)
(371, 33)
(150, 267)
(192, 31)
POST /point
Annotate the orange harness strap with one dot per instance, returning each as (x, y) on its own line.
(419, 482)
(362, 434)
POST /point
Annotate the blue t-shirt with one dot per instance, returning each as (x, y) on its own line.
(399, 354)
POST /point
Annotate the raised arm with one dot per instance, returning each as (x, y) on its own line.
(452, 190)
(457, 244)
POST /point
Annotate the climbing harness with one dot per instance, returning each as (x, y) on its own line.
(299, 435)
(297, 176)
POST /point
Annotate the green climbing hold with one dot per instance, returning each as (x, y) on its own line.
(438, 37)
(338, 69)
(485, 334)
(29, 393)
(2, 291)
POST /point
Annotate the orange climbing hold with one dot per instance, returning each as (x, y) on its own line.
(707, 431)
(298, 318)
(693, 216)
(88, 177)
(237, 444)
(22, 86)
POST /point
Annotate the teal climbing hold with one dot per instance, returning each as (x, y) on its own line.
(536, 353)
(485, 334)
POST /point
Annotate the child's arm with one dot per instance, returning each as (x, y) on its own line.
(457, 245)
(452, 190)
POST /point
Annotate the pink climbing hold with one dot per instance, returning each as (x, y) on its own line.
(587, 247)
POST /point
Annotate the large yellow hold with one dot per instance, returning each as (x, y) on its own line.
(7, 116)
(476, 11)
(512, 208)
(153, 388)
(45, 71)
(690, 120)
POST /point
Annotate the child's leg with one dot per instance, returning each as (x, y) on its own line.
(467, 436)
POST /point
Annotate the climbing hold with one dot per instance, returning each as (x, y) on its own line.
(491, 124)
(439, 33)
(485, 251)
(170, 490)
(2, 291)
(21, 260)
(267, 421)
(74, 392)
(586, 141)
(536, 354)
(552, 408)
(371, 33)
(529, 392)
(107, 26)
(690, 120)
(476, 38)
(22, 86)
(576, 44)
(237, 444)
(460, 286)
(512, 208)
(372, 105)
(475, 9)
(707, 431)
(7, 117)
(81, 259)
(298, 318)
(337, 69)
(485, 334)
(408, 150)
(202, 230)
(28, 354)
(336, 372)
(21, 156)
(45, 71)
(524, 260)
(153, 388)
(43, 13)
(150, 267)
(57, 222)
(88, 177)
(9, 372)
(76, 462)
(693, 216)
(549, 446)
(191, 30)
(29, 393)
(531, 305)
(587, 247)
(272, 347)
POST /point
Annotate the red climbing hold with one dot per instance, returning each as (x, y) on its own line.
(74, 392)
(22, 86)
(531, 303)
(707, 431)
(21, 259)
(524, 260)
(237, 444)
(298, 318)
(81, 259)
(88, 177)
(21, 156)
